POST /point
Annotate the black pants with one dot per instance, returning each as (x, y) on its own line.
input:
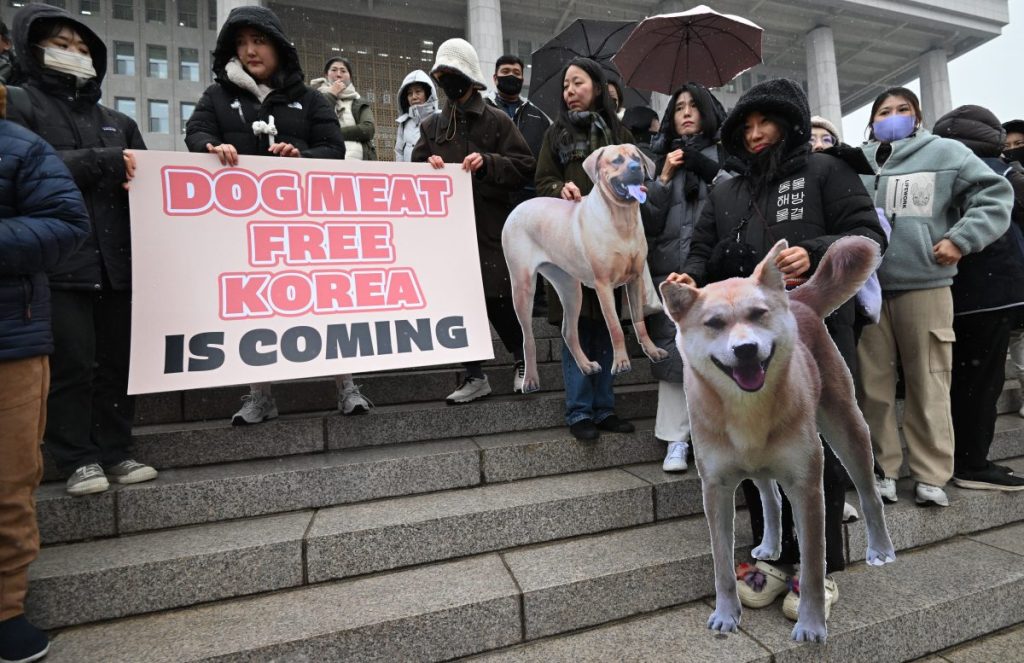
(89, 418)
(840, 327)
(979, 367)
(502, 314)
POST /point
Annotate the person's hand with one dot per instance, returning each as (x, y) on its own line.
(473, 162)
(435, 161)
(571, 192)
(793, 262)
(947, 253)
(337, 87)
(673, 161)
(129, 168)
(681, 279)
(227, 154)
(284, 150)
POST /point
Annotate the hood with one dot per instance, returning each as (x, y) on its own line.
(976, 127)
(712, 114)
(416, 76)
(265, 21)
(28, 65)
(779, 96)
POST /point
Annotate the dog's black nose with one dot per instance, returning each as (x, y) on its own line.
(634, 166)
(745, 352)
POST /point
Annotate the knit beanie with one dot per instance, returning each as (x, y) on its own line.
(459, 55)
(777, 96)
(818, 122)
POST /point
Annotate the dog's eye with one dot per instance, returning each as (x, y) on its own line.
(715, 323)
(757, 313)
(617, 160)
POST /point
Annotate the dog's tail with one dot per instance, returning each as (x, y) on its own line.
(847, 264)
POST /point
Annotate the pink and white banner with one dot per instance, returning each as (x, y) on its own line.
(291, 268)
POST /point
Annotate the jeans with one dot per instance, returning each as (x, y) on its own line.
(589, 396)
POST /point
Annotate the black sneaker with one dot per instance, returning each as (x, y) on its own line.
(613, 424)
(20, 642)
(584, 430)
(990, 478)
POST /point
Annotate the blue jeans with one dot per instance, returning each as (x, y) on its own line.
(589, 396)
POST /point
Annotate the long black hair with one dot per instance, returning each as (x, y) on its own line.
(711, 114)
(601, 103)
(765, 167)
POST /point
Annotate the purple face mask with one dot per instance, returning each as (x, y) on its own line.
(894, 127)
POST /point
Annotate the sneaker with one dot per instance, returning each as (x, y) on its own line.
(520, 376)
(352, 401)
(86, 480)
(675, 459)
(990, 478)
(613, 424)
(471, 389)
(927, 494)
(130, 471)
(584, 429)
(21, 642)
(256, 408)
(760, 583)
(791, 604)
(887, 487)
(849, 513)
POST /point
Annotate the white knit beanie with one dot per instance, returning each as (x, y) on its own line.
(818, 122)
(459, 55)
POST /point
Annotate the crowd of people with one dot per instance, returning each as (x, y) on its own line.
(940, 315)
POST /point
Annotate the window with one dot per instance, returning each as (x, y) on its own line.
(124, 58)
(156, 56)
(186, 112)
(188, 64)
(89, 7)
(124, 10)
(156, 11)
(211, 14)
(159, 119)
(125, 105)
(188, 13)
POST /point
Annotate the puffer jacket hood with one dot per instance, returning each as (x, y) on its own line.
(28, 64)
(415, 76)
(976, 127)
(265, 21)
(779, 96)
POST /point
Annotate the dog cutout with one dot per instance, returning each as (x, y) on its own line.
(762, 377)
(598, 242)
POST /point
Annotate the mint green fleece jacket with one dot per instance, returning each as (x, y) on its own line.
(933, 188)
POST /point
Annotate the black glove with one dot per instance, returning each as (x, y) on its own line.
(703, 166)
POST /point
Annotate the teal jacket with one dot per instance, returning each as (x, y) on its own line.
(933, 188)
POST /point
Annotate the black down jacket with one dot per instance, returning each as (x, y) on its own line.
(226, 111)
(91, 140)
(42, 222)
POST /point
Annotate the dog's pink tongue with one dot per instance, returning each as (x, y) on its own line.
(637, 192)
(750, 378)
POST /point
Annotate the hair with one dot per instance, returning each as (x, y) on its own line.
(903, 92)
(508, 58)
(48, 28)
(4, 31)
(601, 103)
(618, 88)
(344, 61)
(765, 167)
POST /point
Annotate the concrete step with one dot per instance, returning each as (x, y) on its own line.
(930, 599)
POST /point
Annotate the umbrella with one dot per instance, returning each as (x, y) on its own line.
(698, 45)
(597, 40)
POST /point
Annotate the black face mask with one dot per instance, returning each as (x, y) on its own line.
(510, 85)
(455, 86)
(1016, 154)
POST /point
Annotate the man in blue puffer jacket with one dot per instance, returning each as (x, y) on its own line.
(42, 221)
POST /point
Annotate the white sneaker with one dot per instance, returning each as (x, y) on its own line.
(256, 408)
(352, 401)
(130, 471)
(675, 459)
(849, 513)
(471, 389)
(1021, 410)
(86, 480)
(520, 376)
(928, 494)
(887, 487)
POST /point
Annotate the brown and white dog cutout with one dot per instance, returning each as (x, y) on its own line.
(762, 378)
(598, 242)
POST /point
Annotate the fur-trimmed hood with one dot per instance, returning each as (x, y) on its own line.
(266, 21)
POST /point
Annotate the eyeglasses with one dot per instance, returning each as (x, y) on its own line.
(826, 140)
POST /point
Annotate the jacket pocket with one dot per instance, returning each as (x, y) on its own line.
(940, 349)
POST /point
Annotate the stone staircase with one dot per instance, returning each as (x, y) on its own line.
(422, 532)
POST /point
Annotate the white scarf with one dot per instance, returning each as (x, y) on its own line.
(237, 74)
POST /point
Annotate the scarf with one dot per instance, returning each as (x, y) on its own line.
(694, 143)
(573, 146)
(237, 74)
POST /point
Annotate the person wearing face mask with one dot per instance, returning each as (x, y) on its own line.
(943, 203)
(1013, 156)
(354, 113)
(88, 432)
(418, 100)
(688, 155)
(483, 141)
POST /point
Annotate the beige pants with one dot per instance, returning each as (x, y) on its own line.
(23, 387)
(672, 423)
(916, 329)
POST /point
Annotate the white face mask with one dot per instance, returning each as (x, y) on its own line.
(67, 62)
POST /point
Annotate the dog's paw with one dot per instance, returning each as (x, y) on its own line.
(724, 621)
(590, 368)
(656, 354)
(878, 557)
(766, 552)
(805, 631)
(531, 386)
(621, 366)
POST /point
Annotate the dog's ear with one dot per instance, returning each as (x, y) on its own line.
(766, 273)
(678, 299)
(590, 166)
(649, 168)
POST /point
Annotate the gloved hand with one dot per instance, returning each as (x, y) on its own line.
(703, 166)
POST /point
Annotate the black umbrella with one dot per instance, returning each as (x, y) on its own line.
(597, 40)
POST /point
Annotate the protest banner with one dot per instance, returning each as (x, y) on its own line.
(290, 268)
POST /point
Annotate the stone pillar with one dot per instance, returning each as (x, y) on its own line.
(483, 30)
(822, 77)
(936, 99)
